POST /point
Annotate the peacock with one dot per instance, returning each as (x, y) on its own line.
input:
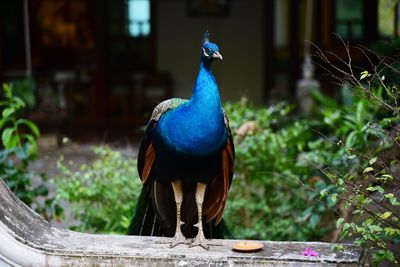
(185, 161)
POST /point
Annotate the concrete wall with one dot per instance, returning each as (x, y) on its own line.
(26, 239)
(239, 36)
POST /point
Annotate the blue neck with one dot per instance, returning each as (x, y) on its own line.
(205, 93)
(197, 127)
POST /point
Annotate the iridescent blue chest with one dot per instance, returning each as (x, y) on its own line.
(196, 127)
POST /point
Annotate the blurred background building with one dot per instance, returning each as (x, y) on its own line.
(100, 66)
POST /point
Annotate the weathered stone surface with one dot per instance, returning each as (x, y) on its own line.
(26, 239)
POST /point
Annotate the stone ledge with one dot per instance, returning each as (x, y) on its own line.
(26, 239)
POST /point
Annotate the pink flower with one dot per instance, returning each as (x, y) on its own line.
(310, 252)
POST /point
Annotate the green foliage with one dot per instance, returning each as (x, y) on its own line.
(101, 196)
(371, 194)
(25, 89)
(342, 129)
(13, 135)
(293, 174)
(270, 196)
(18, 138)
(363, 165)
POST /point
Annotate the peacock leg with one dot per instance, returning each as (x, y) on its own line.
(179, 238)
(200, 240)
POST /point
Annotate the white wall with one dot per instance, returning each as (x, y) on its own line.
(238, 35)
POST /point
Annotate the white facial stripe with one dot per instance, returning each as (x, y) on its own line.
(204, 52)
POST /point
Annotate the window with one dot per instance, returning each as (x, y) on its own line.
(129, 31)
(348, 19)
(138, 18)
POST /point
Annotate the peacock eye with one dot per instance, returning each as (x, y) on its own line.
(207, 52)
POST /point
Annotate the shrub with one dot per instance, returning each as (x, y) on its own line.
(367, 185)
(367, 180)
(101, 196)
(267, 198)
(294, 176)
(18, 138)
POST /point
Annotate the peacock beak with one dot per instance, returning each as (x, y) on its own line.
(217, 55)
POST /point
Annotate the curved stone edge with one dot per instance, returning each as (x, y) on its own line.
(26, 239)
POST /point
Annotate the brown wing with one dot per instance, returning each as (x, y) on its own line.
(147, 153)
(217, 191)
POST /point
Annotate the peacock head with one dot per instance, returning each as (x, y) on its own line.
(209, 51)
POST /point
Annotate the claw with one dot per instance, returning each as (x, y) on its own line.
(201, 241)
(179, 238)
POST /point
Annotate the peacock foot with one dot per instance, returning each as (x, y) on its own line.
(179, 238)
(201, 241)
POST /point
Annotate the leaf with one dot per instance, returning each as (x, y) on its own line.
(41, 190)
(368, 169)
(13, 142)
(390, 231)
(393, 162)
(339, 222)
(59, 211)
(364, 74)
(8, 111)
(385, 215)
(334, 197)
(6, 137)
(3, 121)
(375, 228)
(352, 156)
(360, 111)
(376, 188)
(21, 153)
(31, 125)
(337, 247)
(19, 101)
(324, 192)
(323, 100)
(357, 212)
(388, 176)
(392, 198)
(346, 226)
(351, 139)
(372, 161)
(314, 220)
(7, 90)
(4, 103)
(390, 195)
(31, 145)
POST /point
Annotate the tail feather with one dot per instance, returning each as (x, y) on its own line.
(144, 221)
(219, 231)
